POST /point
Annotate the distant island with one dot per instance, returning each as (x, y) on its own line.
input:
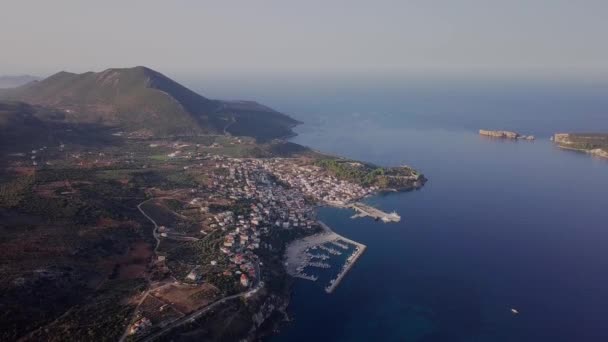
(505, 134)
(593, 143)
(12, 81)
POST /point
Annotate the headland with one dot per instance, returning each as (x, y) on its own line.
(595, 144)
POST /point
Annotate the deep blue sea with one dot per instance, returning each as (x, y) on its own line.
(499, 225)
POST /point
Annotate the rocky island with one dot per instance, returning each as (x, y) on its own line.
(505, 135)
(593, 143)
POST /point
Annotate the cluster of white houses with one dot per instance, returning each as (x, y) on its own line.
(261, 205)
(315, 182)
(267, 206)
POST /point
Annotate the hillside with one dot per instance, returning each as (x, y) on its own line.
(21, 129)
(19, 125)
(145, 101)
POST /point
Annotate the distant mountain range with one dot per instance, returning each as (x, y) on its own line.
(11, 81)
(148, 103)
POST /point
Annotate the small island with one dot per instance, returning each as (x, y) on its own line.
(593, 143)
(505, 135)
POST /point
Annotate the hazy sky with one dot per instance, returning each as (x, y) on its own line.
(45, 36)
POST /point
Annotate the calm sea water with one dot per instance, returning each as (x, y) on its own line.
(499, 225)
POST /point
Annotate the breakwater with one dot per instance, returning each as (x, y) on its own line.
(363, 210)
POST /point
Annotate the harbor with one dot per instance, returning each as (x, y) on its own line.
(323, 256)
(364, 210)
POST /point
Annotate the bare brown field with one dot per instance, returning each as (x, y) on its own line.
(187, 298)
(158, 311)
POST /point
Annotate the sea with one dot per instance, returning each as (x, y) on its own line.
(500, 224)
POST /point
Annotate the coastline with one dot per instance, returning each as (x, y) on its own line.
(593, 152)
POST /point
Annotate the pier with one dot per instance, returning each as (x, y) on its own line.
(350, 262)
(363, 210)
(317, 256)
(306, 276)
(339, 244)
(330, 250)
(318, 264)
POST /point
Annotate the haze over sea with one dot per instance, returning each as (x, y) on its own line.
(499, 225)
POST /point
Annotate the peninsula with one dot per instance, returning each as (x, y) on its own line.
(595, 144)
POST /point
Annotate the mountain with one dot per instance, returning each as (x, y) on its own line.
(12, 81)
(145, 101)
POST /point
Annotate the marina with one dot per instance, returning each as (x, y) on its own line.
(301, 262)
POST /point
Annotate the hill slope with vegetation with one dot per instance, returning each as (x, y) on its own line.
(22, 129)
(385, 178)
(142, 100)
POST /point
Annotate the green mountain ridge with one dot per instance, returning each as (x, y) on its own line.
(143, 100)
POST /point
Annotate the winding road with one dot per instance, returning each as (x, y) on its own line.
(194, 315)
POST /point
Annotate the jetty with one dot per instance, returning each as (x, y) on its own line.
(339, 244)
(318, 256)
(318, 264)
(330, 250)
(364, 210)
(347, 266)
(306, 276)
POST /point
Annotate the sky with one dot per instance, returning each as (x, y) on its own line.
(179, 36)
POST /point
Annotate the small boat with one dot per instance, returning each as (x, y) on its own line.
(514, 311)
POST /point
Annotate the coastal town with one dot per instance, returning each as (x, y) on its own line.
(241, 203)
(227, 224)
(312, 181)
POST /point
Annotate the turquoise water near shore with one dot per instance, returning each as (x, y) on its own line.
(500, 224)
